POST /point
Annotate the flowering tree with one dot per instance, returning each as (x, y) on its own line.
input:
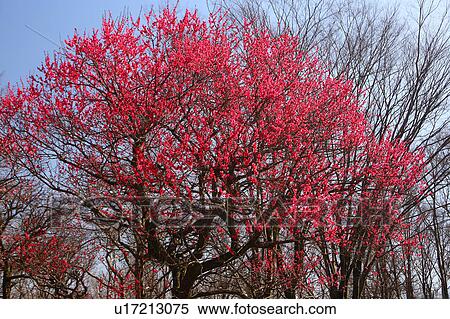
(38, 257)
(41, 259)
(212, 144)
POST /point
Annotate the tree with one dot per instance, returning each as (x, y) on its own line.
(38, 257)
(213, 144)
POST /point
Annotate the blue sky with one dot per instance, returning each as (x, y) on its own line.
(28, 28)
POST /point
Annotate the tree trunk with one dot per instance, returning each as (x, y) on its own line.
(409, 279)
(138, 279)
(183, 279)
(6, 283)
(336, 293)
(356, 291)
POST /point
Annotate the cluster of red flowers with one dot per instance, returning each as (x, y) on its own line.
(208, 110)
